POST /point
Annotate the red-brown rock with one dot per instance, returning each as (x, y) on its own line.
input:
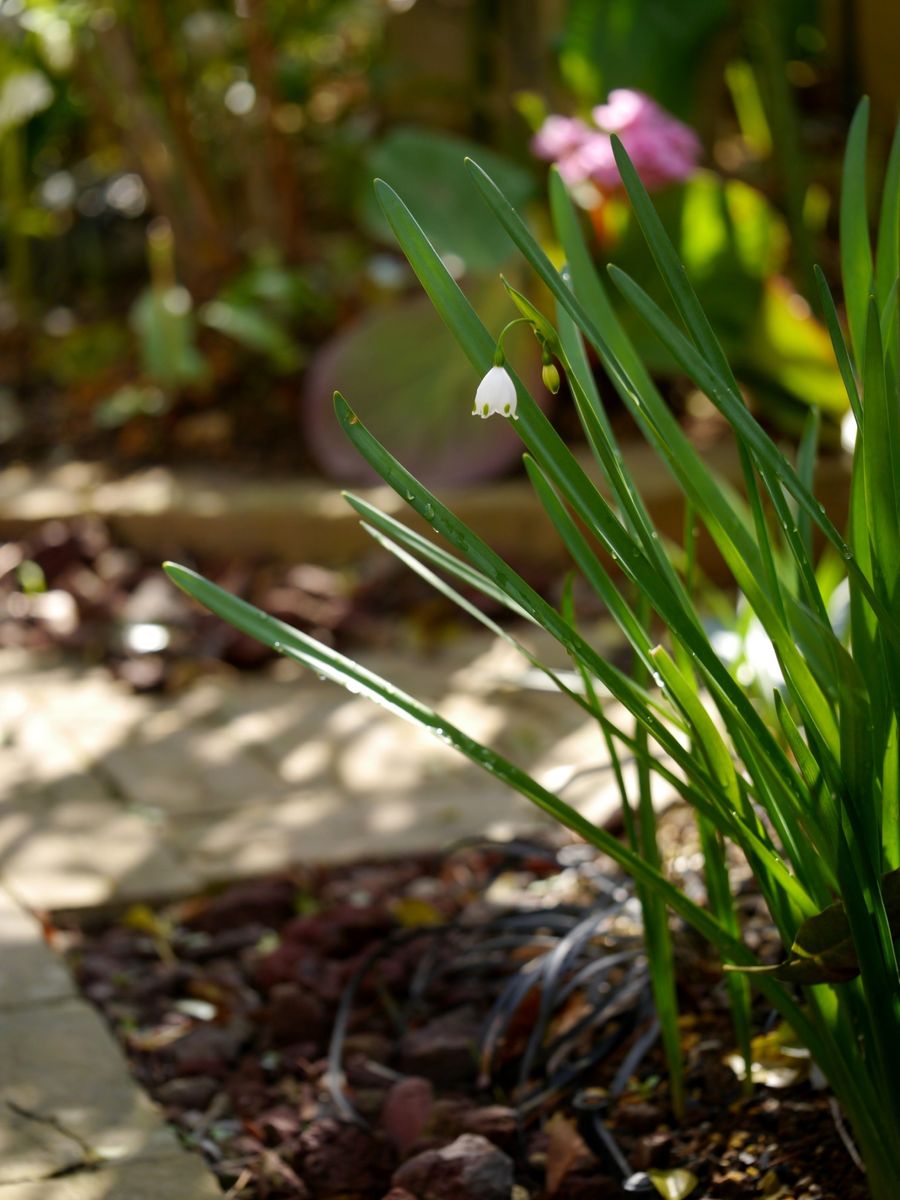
(406, 1111)
(336, 1159)
(470, 1168)
(443, 1050)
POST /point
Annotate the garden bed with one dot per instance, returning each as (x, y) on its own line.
(293, 547)
(367, 1031)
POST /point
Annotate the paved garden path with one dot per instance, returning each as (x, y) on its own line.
(108, 797)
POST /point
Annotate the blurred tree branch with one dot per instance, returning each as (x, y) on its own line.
(285, 221)
(158, 41)
(205, 247)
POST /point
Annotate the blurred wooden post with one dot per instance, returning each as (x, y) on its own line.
(285, 219)
(457, 64)
(205, 254)
(877, 24)
(200, 181)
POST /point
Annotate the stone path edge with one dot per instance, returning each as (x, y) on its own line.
(73, 1123)
(216, 512)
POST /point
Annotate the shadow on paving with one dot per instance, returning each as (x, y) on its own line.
(73, 1125)
(110, 796)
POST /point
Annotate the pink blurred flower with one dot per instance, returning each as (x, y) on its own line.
(662, 148)
(593, 160)
(559, 136)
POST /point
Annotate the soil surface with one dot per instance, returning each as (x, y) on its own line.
(71, 585)
(474, 1026)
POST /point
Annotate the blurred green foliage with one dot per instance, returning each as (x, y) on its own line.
(663, 46)
(735, 246)
(643, 44)
(249, 131)
(429, 168)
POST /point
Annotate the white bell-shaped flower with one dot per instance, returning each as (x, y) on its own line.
(496, 394)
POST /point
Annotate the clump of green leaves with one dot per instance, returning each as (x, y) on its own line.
(805, 783)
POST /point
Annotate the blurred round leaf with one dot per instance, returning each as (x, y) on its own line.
(428, 172)
(405, 376)
(254, 329)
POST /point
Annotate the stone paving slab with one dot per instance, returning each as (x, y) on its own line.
(30, 973)
(66, 1094)
(73, 1124)
(170, 1177)
(85, 852)
(106, 796)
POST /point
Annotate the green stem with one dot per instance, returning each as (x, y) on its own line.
(499, 356)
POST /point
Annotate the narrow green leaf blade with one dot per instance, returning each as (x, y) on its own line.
(462, 538)
(887, 258)
(881, 455)
(671, 268)
(856, 249)
(839, 343)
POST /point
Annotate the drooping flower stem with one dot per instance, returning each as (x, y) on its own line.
(499, 356)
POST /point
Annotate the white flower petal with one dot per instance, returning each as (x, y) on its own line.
(496, 394)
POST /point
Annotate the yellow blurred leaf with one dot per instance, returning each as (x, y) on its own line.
(413, 914)
(778, 1061)
(674, 1184)
(143, 919)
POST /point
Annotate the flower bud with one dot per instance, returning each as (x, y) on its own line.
(550, 376)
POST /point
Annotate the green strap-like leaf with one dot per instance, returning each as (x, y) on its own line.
(887, 257)
(425, 503)
(760, 444)
(881, 452)
(706, 735)
(589, 564)
(839, 343)
(856, 249)
(422, 547)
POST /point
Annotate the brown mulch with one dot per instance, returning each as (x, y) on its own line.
(406, 974)
(72, 586)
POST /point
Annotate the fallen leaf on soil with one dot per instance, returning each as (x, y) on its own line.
(564, 1149)
(673, 1185)
(412, 913)
(777, 1062)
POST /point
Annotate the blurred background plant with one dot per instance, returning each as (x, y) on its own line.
(191, 254)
